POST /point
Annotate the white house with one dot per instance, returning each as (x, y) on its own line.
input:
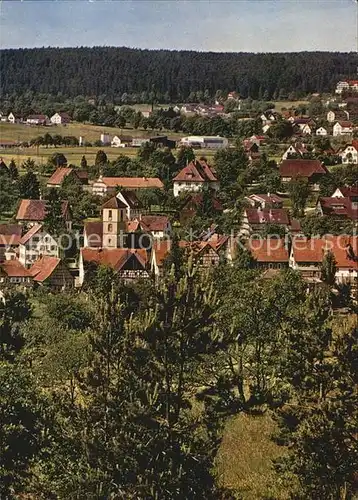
(321, 131)
(205, 142)
(12, 118)
(350, 153)
(333, 116)
(193, 177)
(116, 142)
(342, 128)
(347, 85)
(60, 119)
(298, 149)
(266, 128)
(37, 120)
(36, 243)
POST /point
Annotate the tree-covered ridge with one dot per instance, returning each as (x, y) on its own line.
(172, 75)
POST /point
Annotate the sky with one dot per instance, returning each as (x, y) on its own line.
(205, 25)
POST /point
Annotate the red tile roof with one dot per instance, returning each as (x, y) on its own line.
(301, 168)
(94, 233)
(197, 200)
(313, 250)
(268, 250)
(267, 216)
(338, 206)
(44, 267)
(196, 171)
(113, 257)
(35, 210)
(14, 269)
(345, 124)
(271, 198)
(59, 175)
(30, 233)
(132, 182)
(349, 191)
(154, 222)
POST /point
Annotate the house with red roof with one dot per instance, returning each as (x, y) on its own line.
(32, 212)
(51, 272)
(307, 255)
(194, 176)
(312, 170)
(343, 204)
(269, 253)
(297, 150)
(264, 201)
(258, 220)
(13, 273)
(110, 185)
(36, 243)
(193, 203)
(61, 173)
(342, 128)
(134, 205)
(128, 263)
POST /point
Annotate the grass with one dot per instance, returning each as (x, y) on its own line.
(24, 133)
(279, 105)
(244, 462)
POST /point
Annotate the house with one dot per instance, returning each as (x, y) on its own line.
(116, 142)
(312, 170)
(110, 185)
(297, 150)
(137, 142)
(194, 177)
(13, 273)
(347, 85)
(321, 131)
(37, 120)
(31, 212)
(266, 128)
(334, 116)
(204, 142)
(128, 263)
(349, 154)
(10, 235)
(36, 243)
(307, 255)
(269, 253)
(343, 204)
(342, 128)
(61, 173)
(162, 141)
(257, 220)
(51, 272)
(60, 119)
(264, 201)
(12, 118)
(338, 207)
(156, 225)
(303, 125)
(193, 203)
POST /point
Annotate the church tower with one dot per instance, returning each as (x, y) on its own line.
(114, 216)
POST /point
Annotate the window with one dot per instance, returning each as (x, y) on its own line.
(110, 228)
(109, 241)
(109, 214)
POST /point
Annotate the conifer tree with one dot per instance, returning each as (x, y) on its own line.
(14, 173)
(29, 186)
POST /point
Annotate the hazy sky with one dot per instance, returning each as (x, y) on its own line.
(217, 25)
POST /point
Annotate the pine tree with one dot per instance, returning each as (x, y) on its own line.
(54, 222)
(329, 268)
(101, 158)
(14, 173)
(29, 186)
(83, 162)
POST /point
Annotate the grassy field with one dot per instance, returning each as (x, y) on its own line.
(279, 105)
(90, 133)
(244, 462)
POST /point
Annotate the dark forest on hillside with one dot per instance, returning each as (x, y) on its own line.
(171, 75)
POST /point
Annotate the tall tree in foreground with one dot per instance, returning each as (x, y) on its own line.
(299, 191)
(29, 186)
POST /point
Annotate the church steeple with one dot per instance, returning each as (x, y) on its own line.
(114, 216)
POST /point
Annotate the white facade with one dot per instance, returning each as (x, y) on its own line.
(117, 143)
(338, 129)
(321, 131)
(11, 118)
(41, 243)
(180, 186)
(205, 142)
(349, 155)
(105, 139)
(58, 119)
(342, 86)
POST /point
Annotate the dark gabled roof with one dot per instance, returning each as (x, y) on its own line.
(35, 210)
(131, 199)
(114, 203)
(267, 216)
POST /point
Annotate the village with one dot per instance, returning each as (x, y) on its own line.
(134, 238)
